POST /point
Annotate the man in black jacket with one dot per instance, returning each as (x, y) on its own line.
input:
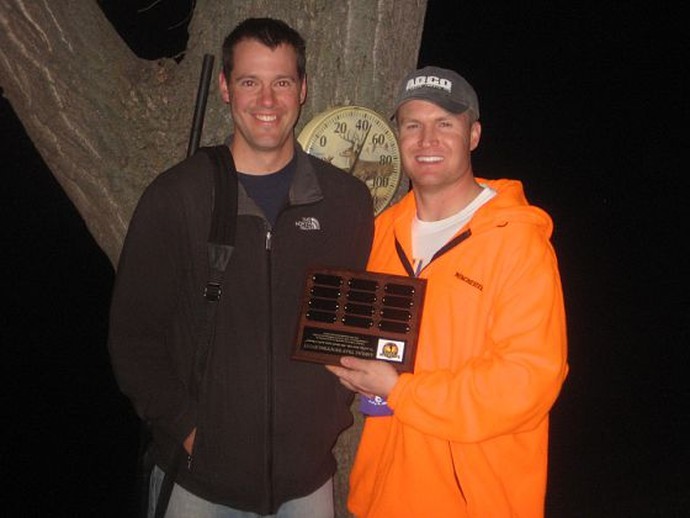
(260, 432)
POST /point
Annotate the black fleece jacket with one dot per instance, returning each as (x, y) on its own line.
(265, 424)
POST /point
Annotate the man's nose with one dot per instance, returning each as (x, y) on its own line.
(428, 137)
(266, 96)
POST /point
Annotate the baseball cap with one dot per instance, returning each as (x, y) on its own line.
(441, 86)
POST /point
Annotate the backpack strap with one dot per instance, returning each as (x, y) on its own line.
(221, 243)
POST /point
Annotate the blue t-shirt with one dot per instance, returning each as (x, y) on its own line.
(270, 191)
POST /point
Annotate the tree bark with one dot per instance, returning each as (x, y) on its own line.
(106, 122)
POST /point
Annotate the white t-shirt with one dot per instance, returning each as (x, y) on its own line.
(429, 236)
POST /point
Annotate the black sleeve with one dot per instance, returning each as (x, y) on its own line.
(146, 293)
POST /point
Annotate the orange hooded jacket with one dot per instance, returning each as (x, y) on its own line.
(469, 434)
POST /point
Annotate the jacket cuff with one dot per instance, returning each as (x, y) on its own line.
(185, 422)
(398, 390)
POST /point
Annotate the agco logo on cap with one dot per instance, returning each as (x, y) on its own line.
(430, 81)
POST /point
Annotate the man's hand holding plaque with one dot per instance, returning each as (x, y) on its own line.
(366, 315)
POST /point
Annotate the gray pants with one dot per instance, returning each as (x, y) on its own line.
(184, 504)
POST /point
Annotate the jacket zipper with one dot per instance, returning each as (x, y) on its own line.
(269, 371)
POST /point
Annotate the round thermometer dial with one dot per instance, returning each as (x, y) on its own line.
(359, 141)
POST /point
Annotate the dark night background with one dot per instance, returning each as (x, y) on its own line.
(582, 102)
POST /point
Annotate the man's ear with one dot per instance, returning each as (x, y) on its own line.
(475, 135)
(223, 88)
(303, 91)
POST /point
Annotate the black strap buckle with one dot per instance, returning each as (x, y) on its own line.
(213, 291)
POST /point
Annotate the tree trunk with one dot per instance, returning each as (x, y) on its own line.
(106, 122)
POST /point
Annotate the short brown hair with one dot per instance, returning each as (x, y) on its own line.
(270, 32)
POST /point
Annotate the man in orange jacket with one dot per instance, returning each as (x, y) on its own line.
(466, 434)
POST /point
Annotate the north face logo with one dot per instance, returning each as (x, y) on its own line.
(308, 223)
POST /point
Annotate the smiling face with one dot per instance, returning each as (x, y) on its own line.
(436, 147)
(265, 95)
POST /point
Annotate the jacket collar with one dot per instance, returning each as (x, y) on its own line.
(305, 186)
(304, 189)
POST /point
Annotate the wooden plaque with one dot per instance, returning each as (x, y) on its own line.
(368, 315)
